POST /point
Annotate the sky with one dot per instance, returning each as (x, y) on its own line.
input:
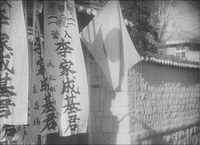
(185, 16)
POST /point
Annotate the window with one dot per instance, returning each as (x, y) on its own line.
(178, 54)
(182, 54)
(182, 48)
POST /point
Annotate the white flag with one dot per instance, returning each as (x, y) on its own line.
(14, 64)
(44, 118)
(109, 42)
(65, 66)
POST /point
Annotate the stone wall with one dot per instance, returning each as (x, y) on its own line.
(102, 127)
(164, 104)
(157, 104)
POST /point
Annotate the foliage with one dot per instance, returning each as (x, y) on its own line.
(150, 19)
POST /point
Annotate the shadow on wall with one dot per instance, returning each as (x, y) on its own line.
(163, 104)
(55, 138)
(149, 135)
(156, 74)
(103, 125)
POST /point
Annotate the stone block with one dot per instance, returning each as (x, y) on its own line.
(102, 106)
(114, 110)
(112, 95)
(116, 102)
(115, 124)
(98, 122)
(102, 94)
(106, 109)
(96, 129)
(131, 72)
(123, 138)
(124, 99)
(104, 81)
(107, 96)
(97, 139)
(95, 95)
(99, 114)
(107, 125)
(93, 115)
(95, 82)
(98, 71)
(123, 110)
(95, 107)
(92, 70)
(88, 67)
(135, 138)
(131, 87)
(110, 138)
(124, 87)
(124, 125)
(93, 123)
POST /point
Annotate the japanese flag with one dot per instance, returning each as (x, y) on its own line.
(107, 39)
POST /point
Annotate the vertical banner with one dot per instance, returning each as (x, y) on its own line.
(14, 64)
(27, 134)
(66, 66)
(44, 117)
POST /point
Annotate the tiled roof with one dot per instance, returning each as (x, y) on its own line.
(169, 60)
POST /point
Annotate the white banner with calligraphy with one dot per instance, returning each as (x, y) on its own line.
(44, 117)
(66, 66)
(13, 64)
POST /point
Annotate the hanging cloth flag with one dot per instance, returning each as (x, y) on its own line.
(65, 66)
(44, 117)
(108, 41)
(14, 64)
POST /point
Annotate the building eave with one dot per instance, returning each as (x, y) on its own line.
(169, 60)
